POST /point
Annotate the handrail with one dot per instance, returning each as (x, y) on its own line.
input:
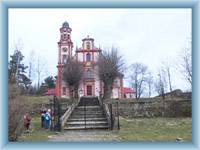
(108, 114)
(100, 101)
(67, 114)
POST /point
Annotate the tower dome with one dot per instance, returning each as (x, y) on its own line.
(65, 24)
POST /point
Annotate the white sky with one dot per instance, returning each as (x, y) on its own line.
(148, 36)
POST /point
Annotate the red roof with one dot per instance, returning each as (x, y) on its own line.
(128, 90)
(50, 92)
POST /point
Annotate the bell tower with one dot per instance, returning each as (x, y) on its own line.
(65, 46)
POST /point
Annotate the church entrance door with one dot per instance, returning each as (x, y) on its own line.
(89, 90)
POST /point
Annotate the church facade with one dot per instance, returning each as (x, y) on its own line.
(87, 54)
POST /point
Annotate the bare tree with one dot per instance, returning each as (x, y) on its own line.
(40, 70)
(187, 65)
(110, 66)
(169, 79)
(167, 69)
(72, 74)
(31, 69)
(138, 78)
(161, 83)
(149, 81)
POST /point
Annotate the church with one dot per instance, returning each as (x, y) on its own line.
(87, 54)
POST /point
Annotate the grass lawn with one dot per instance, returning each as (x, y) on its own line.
(37, 133)
(144, 129)
(155, 129)
(38, 99)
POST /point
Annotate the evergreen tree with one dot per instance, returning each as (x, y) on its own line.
(50, 82)
(17, 69)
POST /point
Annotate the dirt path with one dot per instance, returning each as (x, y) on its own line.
(85, 136)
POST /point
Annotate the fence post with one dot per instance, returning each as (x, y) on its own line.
(85, 113)
(118, 126)
(59, 115)
(54, 111)
(51, 106)
(111, 117)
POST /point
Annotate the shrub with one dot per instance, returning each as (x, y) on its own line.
(16, 109)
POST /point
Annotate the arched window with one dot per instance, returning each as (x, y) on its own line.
(65, 36)
(68, 36)
(88, 45)
(64, 59)
(88, 57)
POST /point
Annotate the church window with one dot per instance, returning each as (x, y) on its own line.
(64, 49)
(88, 57)
(64, 59)
(65, 36)
(88, 45)
(64, 90)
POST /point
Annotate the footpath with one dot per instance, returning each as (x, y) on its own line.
(85, 136)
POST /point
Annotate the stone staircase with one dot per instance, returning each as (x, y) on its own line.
(87, 115)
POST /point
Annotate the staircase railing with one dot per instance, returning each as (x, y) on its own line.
(108, 110)
(107, 107)
(68, 113)
(85, 114)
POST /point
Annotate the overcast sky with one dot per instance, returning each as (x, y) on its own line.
(148, 36)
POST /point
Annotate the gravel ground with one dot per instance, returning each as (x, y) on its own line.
(85, 136)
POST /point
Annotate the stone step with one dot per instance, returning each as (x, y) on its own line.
(89, 101)
(87, 123)
(88, 108)
(87, 127)
(87, 113)
(91, 124)
(87, 119)
(88, 116)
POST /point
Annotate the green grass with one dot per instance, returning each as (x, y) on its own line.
(38, 99)
(155, 129)
(144, 129)
(37, 133)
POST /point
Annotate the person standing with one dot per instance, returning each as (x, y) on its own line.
(47, 119)
(43, 118)
(27, 121)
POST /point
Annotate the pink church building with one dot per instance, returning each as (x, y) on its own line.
(87, 54)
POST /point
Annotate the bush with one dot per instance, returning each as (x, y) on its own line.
(17, 109)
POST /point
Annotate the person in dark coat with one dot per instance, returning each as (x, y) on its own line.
(27, 121)
(43, 118)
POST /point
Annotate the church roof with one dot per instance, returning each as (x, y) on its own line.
(88, 39)
(128, 90)
(65, 24)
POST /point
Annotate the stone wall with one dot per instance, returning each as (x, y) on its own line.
(36, 108)
(156, 107)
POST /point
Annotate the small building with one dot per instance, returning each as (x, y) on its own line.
(129, 92)
(87, 54)
(50, 91)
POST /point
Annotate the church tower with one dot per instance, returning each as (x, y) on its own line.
(65, 46)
